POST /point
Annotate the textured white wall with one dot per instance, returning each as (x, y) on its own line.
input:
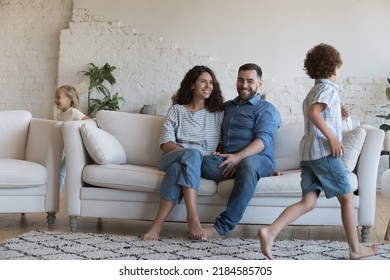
(29, 44)
(149, 71)
(151, 68)
(275, 34)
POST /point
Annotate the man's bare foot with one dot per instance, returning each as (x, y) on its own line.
(364, 252)
(266, 242)
(277, 173)
(211, 233)
(196, 229)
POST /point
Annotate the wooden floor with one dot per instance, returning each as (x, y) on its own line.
(12, 225)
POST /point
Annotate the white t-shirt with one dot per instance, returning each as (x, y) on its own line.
(71, 114)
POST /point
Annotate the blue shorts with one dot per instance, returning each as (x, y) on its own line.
(326, 174)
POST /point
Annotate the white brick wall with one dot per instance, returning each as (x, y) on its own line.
(29, 32)
(150, 70)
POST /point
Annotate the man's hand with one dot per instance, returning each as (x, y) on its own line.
(231, 161)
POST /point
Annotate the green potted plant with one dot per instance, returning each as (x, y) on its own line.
(97, 78)
(385, 127)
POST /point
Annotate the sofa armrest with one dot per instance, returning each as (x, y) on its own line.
(367, 170)
(76, 159)
(45, 146)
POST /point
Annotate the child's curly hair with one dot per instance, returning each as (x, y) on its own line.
(322, 61)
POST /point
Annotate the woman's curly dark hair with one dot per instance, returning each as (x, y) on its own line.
(185, 93)
(322, 61)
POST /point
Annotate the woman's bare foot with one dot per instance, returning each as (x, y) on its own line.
(364, 252)
(266, 242)
(150, 236)
(211, 233)
(196, 229)
(277, 173)
(153, 233)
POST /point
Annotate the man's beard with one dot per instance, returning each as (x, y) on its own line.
(247, 97)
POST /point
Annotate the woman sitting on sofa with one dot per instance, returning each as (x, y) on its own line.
(191, 130)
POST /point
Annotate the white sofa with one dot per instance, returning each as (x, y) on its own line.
(30, 158)
(385, 189)
(131, 190)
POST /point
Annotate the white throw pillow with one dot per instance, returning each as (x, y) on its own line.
(353, 141)
(102, 146)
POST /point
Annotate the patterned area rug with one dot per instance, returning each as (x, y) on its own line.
(42, 245)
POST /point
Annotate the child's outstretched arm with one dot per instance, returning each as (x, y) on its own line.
(315, 115)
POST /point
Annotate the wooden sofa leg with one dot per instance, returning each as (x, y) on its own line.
(387, 235)
(73, 223)
(51, 218)
(365, 233)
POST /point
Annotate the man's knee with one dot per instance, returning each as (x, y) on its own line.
(254, 166)
(248, 166)
(209, 169)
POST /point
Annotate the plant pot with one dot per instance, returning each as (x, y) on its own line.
(148, 109)
(386, 142)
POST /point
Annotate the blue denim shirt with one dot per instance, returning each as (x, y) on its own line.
(243, 123)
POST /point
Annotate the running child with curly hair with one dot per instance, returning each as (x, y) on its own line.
(321, 149)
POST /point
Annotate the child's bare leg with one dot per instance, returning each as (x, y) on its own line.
(194, 225)
(356, 250)
(363, 252)
(266, 241)
(268, 234)
(164, 209)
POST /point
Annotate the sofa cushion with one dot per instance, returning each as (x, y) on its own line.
(353, 141)
(134, 178)
(288, 139)
(288, 184)
(102, 146)
(21, 174)
(14, 127)
(286, 149)
(138, 134)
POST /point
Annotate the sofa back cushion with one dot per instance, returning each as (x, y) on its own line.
(14, 127)
(288, 139)
(287, 143)
(103, 147)
(137, 133)
(353, 141)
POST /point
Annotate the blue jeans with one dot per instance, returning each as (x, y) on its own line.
(182, 167)
(62, 173)
(326, 174)
(248, 173)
